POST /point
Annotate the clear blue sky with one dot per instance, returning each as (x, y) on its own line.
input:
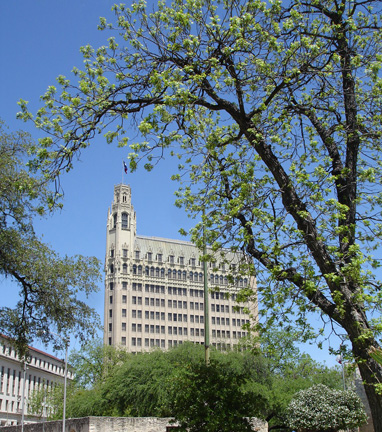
(40, 39)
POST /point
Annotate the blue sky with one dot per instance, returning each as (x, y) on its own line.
(40, 40)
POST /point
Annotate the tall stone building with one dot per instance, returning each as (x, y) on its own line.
(154, 288)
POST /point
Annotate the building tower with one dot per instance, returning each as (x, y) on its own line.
(154, 294)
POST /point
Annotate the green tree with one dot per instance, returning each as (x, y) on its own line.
(49, 285)
(273, 109)
(213, 399)
(94, 361)
(154, 384)
(320, 409)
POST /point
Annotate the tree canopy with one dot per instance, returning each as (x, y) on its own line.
(176, 383)
(274, 110)
(49, 285)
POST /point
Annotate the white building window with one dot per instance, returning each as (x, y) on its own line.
(125, 219)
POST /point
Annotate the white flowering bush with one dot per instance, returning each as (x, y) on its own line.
(320, 408)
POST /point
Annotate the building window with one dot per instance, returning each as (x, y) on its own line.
(110, 313)
(124, 221)
(111, 286)
(149, 256)
(111, 299)
(124, 268)
(192, 262)
(124, 299)
(124, 253)
(133, 312)
(123, 340)
(181, 260)
(159, 257)
(137, 254)
(114, 220)
(171, 259)
(123, 326)
(110, 327)
(124, 285)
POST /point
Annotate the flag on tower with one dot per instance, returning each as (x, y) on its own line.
(125, 167)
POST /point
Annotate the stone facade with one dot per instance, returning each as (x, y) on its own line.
(154, 288)
(112, 424)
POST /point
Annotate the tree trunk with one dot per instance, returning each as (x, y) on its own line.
(371, 373)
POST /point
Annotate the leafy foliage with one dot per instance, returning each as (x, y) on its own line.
(274, 111)
(324, 410)
(95, 361)
(176, 383)
(213, 398)
(49, 285)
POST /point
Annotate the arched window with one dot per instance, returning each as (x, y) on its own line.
(216, 279)
(152, 270)
(114, 220)
(245, 282)
(162, 272)
(169, 273)
(111, 268)
(191, 276)
(174, 274)
(200, 277)
(134, 269)
(221, 280)
(157, 272)
(147, 271)
(124, 268)
(184, 275)
(241, 282)
(225, 280)
(179, 275)
(125, 220)
(140, 270)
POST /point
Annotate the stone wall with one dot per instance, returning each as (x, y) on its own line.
(111, 424)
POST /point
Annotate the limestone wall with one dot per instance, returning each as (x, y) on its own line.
(111, 424)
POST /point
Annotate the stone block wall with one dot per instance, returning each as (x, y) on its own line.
(112, 424)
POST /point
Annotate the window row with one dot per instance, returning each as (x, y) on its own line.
(181, 275)
(161, 289)
(227, 334)
(226, 321)
(178, 304)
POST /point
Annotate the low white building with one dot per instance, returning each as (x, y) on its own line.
(43, 371)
